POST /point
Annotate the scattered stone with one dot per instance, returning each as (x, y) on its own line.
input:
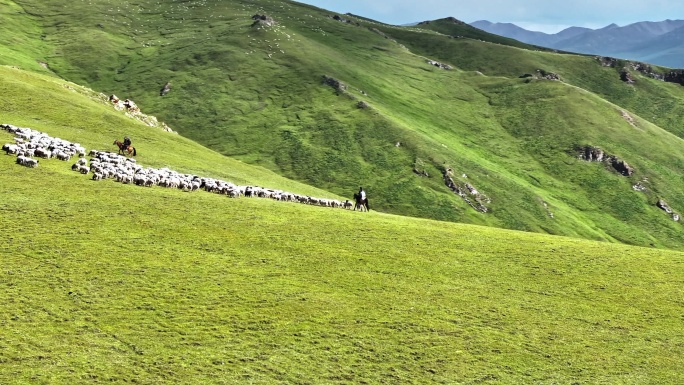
(639, 187)
(165, 90)
(362, 105)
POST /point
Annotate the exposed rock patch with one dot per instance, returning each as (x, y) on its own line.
(263, 20)
(626, 77)
(628, 117)
(672, 76)
(362, 105)
(166, 89)
(547, 75)
(608, 61)
(440, 65)
(595, 154)
(334, 83)
(343, 20)
(467, 192)
(665, 207)
(133, 111)
(675, 76)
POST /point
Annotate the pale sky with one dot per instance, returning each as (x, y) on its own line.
(538, 15)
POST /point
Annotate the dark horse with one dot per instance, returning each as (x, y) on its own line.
(362, 204)
(125, 149)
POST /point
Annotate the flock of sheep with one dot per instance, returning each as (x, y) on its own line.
(29, 143)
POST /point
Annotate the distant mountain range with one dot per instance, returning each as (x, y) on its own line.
(660, 43)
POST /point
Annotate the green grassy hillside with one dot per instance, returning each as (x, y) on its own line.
(256, 93)
(109, 283)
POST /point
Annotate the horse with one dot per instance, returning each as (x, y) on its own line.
(125, 149)
(362, 204)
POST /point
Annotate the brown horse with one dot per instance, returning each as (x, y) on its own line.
(362, 204)
(123, 149)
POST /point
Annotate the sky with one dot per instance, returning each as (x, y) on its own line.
(548, 16)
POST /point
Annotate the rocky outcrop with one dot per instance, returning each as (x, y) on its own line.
(672, 76)
(675, 76)
(639, 187)
(548, 75)
(621, 166)
(665, 207)
(608, 61)
(626, 77)
(595, 154)
(647, 70)
(133, 111)
(166, 89)
(343, 20)
(440, 65)
(334, 83)
(263, 20)
(467, 192)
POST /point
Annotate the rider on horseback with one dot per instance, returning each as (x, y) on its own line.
(127, 141)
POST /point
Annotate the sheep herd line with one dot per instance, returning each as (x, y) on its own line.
(30, 144)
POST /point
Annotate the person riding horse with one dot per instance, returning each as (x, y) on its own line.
(125, 146)
(361, 200)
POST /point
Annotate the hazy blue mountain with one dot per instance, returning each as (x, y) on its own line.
(660, 43)
(531, 37)
(666, 49)
(514, 32)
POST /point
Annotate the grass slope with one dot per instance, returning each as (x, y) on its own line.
(257, 94)
(104, 282)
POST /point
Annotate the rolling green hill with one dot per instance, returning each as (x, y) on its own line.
(103, 282)
(257, 93)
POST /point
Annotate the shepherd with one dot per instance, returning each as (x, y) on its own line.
(361, 200)
(125, 147)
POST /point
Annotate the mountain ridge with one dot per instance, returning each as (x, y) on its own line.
(641, 41)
